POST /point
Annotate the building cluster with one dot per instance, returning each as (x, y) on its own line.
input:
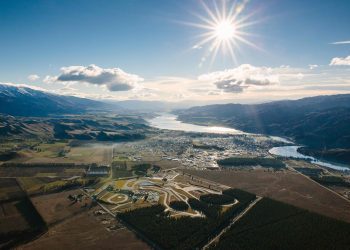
(181, 149)
(146, 195)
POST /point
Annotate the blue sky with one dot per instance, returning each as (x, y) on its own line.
(149, 39)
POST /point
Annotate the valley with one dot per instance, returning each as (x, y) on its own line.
(137, 180)
(73, 183)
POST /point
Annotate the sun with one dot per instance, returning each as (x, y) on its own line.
(224, 28)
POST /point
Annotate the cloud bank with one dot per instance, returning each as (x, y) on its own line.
(115, 79)
(242, 77)
(339, 61)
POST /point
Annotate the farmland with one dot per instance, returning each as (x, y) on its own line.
(90, 231)
(156, 187)
(285, 186)
(19, 220)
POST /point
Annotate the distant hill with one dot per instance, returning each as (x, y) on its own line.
(152, 106)
(78, 127)
(319, 122)
(25, 101)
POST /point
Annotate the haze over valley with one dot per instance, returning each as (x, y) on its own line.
(197, 124)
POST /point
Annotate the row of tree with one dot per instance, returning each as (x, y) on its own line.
(185, 232)
(275, 225)
(251, 161)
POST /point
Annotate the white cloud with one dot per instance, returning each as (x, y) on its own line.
(242, 77)
(114, 79)
(33, 77)
(337, 61)
(313, 66)
(341, 42)
(49, 79)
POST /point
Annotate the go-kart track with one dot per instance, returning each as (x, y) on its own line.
(162, 188)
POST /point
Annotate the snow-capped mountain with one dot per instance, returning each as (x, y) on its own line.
(25, 101)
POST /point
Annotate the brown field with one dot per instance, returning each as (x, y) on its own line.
(50, 153)
(9, 189)
(40, 171)
(11, 218)
(94, 153)
(56, 207)
(285, 186)
(87, 231)
(18, 218)
(18, 222)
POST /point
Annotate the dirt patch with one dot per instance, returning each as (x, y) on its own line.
(286, 186)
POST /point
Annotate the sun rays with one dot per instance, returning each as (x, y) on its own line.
(223, 29)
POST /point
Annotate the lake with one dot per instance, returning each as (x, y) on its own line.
(170, 122)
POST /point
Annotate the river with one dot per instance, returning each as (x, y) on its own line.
(170, 122)
(292, 151)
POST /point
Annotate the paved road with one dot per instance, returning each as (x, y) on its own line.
(234, 220)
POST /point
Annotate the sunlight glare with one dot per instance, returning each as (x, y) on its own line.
(225, 30)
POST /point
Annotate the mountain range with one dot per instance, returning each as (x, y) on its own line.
(24, 101)
(321, 122)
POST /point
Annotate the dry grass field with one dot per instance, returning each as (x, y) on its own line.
(38, 171)
(18, 218)
(87, 231)
(285, 186)
(11, 218)
(56, 207)
(50, 153)
(9, 189)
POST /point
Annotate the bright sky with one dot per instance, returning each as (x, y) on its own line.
(177, 50)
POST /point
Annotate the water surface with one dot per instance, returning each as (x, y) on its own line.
(170, 122)
(291, 151)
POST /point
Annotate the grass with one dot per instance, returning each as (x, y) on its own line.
(120, 183)
(31, 184)
(120, 158)
(50, 150)
(45, 174)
